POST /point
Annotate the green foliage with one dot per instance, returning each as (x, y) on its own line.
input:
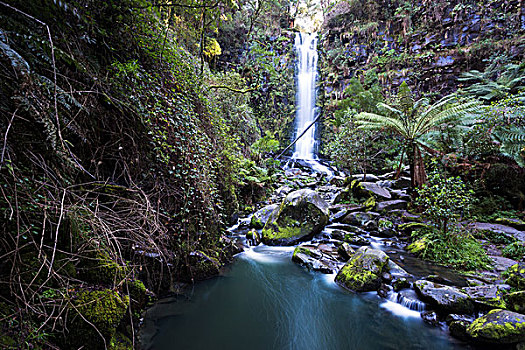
(413, 119)
(456, 249)
(444, 200)
(514, 251)
(266, 144)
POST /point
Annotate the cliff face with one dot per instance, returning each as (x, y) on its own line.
(428, 44)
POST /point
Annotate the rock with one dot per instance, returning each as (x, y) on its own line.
(443, 298)
(396, 270)
(516, 276)
(401, 183)
(253, 237)
(391, 205)
(261, 216)
(514, 223)
(458, 329)
(362, 273)
(496, 233)
(410, 227)
(371, 189)
(455, 317)
(501, 263)
(345, 227)
(365, 177)
(313, 259)
(338, 181)
(400, 194)
(498, 327)
(487, 296)
(360, 218)
(430, 317)
(383, 290)
(353, 239)
(400, 283)
(344, 197)
(302, 214)
(516, 301)
(337, 217)
(283, 191)
(345, 251)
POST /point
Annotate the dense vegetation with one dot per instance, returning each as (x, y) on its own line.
(134, 132)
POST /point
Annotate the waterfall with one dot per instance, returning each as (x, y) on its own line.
(306, 49)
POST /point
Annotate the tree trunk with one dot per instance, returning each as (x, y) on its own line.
(418, 175)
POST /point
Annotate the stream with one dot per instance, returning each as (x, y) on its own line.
(265, 301)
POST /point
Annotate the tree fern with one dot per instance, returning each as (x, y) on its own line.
(512, 142)
(413, 119)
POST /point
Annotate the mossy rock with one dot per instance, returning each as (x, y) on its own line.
(100, 268)
(362, 273)
(516, 276)
(498, 327)
(302, 214)
(409, 227)
(253, 237)
(97, 314)
(120, 342)
(203, 265)
(138, 294)
(516, 223)
(516, 302)
(261, 217)
(444, 299)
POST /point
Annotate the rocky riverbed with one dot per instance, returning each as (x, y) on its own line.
(359, 228)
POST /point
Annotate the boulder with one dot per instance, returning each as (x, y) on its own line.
(514, 223)
(498, 327)
(313, 259)
(487, 296)
(345, 251)
(353, 239)
(499, 234)
(362, 273)
(516, 276)
(360, 218)
(430, 317)
(443, 298)
(302, 214)
(391, 205)
(402, 182)
(516, 301)
(365, 177)
(253, 237)
(371, 189)
(458, 329)
(261, 216)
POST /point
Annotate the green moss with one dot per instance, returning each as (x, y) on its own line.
(516, 276)
(100, 309)
(102, 269)
(120, 342)
(301, 250)
(418, 246)
(497, 326)
(409, 227)
(138, 294)
(370, 203)
(256, 222)
(363, 272)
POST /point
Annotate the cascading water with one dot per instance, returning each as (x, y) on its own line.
(306, 49)
(305, 147)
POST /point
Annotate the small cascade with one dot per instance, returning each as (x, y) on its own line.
(411, 303)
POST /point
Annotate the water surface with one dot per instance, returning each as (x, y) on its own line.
(267, 302)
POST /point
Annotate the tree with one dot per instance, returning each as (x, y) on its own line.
(413, 119)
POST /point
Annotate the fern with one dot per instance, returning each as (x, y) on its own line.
(512, 142)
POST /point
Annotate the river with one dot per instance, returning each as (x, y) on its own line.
(265, 301)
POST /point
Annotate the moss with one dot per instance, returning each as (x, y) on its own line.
(256, 222)
(6, 342)
(102, 269)
(302, 250)
(138, 294)
(120, 342)
(370, 203)
(100, 309)
(363, 272)
(494, 237)
(516, 276)
(409, 227)
(418, 246)
(516, 302)
(498, 326)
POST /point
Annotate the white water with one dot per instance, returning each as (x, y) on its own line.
(306, 50)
